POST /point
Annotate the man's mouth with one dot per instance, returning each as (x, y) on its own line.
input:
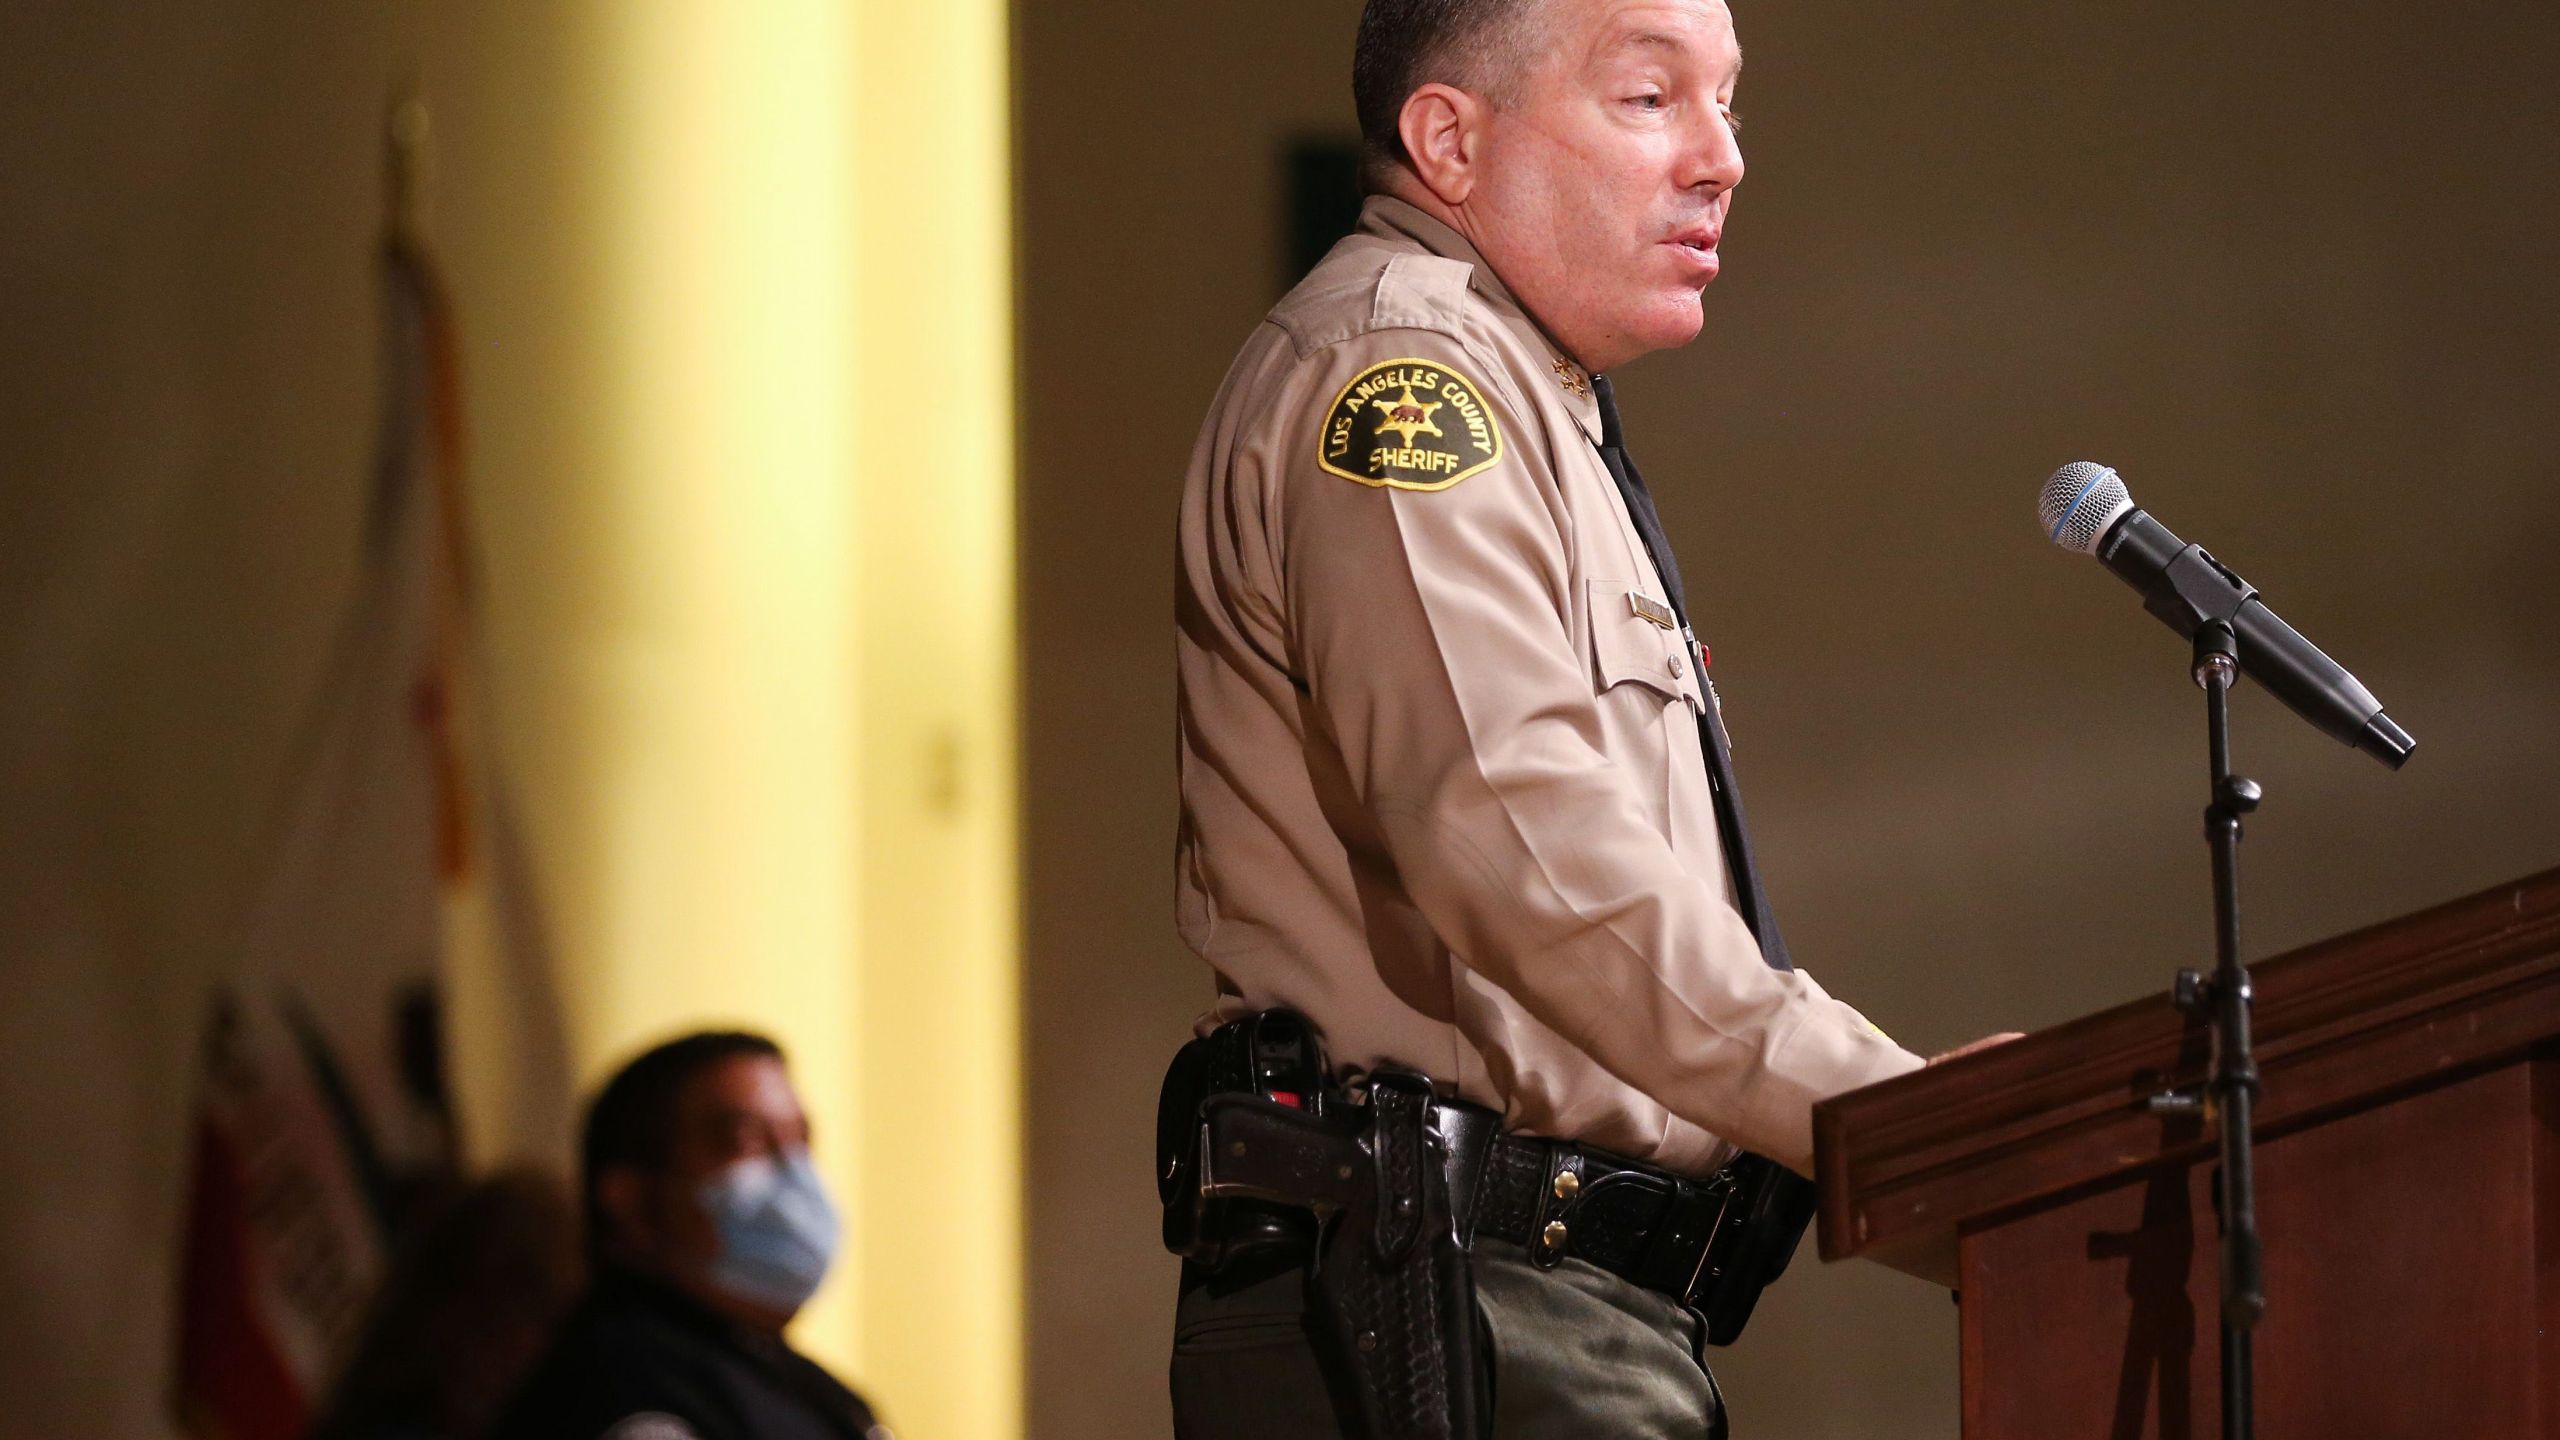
(1698, 260)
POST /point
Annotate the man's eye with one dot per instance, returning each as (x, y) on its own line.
(1732, 118)
(1645, 102)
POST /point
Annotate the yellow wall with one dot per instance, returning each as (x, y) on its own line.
(938, 837)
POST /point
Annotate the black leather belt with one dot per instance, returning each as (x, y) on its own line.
(1663, 1231)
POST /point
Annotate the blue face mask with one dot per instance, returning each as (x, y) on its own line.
(776, 1226)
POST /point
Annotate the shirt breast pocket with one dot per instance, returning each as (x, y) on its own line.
(1632, 647)
(1646, 689)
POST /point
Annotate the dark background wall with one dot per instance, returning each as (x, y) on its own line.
(2281, 264)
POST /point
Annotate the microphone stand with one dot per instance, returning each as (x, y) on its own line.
(2231, 1086)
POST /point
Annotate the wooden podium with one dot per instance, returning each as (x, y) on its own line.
(2408, 1170)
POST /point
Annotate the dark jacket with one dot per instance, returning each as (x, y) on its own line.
(635, 1349)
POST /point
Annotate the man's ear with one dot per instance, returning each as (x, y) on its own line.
(622, 1195)
(1442, 128)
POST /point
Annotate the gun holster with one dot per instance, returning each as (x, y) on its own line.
(1364, 1187)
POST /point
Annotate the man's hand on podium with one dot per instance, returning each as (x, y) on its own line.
(1985, 1043)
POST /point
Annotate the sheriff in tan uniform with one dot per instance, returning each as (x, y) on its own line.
(1442, 780)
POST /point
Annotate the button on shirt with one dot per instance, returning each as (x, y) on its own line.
(1442, 784)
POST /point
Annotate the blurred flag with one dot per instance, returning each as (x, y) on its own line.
(284, 1241)
(396, 886)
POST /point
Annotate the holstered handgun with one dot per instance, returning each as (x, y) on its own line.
(1276, 1059)
(1395, 1279)
(1364, 1190)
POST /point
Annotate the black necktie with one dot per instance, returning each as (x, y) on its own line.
(1751, 899)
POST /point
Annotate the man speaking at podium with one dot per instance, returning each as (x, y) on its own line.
(1455, 787)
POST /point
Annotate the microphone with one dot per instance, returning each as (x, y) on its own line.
(2085, 507)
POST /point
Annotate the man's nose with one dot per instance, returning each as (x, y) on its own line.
(1713, 160)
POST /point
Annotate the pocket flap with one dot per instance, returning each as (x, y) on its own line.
(1636, 640)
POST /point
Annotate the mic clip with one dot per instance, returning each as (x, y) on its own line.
(2198, 590)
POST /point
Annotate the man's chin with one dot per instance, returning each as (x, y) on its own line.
(1673, 322)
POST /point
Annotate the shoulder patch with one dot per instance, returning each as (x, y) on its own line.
(1409, 425)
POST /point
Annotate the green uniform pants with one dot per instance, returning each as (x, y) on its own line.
(1568, 1354)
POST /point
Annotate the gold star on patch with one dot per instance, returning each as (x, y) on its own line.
(1408, 416)
(1572, 378)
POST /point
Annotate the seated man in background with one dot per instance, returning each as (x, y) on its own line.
(707, 1229)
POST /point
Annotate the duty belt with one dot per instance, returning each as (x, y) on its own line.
(1385, 1185)
(1709, 1244)
(1556, 1199)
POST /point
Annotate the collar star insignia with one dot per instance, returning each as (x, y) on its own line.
(1571, 376)
(1408, 416)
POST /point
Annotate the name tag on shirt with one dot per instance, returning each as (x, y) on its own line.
(1649, 609)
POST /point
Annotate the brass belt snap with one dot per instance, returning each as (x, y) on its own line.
(1555, 1207)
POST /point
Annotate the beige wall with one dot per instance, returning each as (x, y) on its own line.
(2284, 265)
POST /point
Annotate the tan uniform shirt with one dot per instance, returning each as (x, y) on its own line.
(1441, 780)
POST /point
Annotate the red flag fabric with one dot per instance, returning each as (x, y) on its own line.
(282, 1250)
